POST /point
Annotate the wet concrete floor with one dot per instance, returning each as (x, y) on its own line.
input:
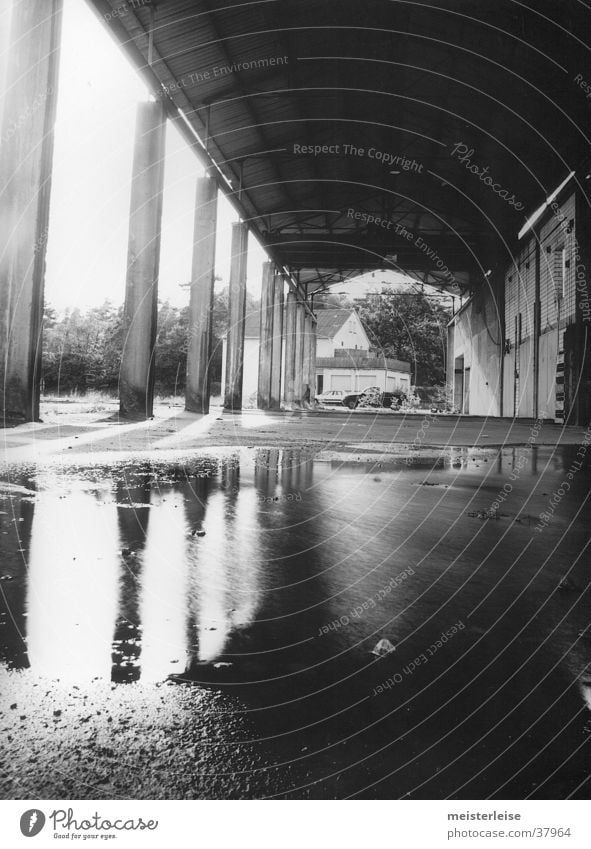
(204, 628)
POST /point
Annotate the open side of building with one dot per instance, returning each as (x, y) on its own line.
(302, 117)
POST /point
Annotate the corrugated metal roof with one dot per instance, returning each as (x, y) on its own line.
(390, 89)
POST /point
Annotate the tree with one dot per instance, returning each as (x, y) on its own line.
(411, 327)
(82, 350)
(171, 348)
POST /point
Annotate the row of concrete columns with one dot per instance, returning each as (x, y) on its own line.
(292, 328)
(25, 178)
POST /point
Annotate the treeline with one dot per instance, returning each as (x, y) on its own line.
(82, 349)
(409, 326)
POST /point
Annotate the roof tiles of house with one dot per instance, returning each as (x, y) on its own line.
(329, 323)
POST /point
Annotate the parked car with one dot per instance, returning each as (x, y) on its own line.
(333, 397)
(373, 396)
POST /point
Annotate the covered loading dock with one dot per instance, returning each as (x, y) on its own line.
(452, 121)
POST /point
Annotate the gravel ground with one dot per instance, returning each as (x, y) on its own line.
(142, 741)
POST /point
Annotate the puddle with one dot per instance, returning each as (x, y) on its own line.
(270, 575)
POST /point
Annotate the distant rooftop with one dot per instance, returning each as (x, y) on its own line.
(329, 323)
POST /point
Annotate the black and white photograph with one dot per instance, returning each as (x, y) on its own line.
(295, 410)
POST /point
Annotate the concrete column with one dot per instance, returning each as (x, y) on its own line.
(26, 154)
(299, 356)
(313, 326)
(290, 350)
(277, 359)
(136, 384)
(307, 390)
(201, 299)
(266, 338)
(236, 314)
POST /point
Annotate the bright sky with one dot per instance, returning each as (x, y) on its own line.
(87, 246)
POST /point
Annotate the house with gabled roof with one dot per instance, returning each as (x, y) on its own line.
(344, 356)
(345, 359)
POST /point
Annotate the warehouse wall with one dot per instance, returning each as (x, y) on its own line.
(540, 298)
(546, 364)
(475, 339)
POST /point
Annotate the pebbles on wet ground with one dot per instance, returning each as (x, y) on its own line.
(144, 741)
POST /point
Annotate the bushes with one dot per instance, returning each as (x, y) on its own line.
(82, 350)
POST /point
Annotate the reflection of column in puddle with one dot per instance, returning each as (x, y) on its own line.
(266, 472)
(224, 569)
(500, 463)
(209, 581)
(207, 570)
(163, 589)
(73, 583)
(133, 514)
(243, 552)
(230, 478)
(291, 574)
(287, 469)
(297, 473)
(16, 519)
(534, 461)
(306, 475)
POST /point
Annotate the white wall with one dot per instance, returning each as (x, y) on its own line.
(477, 338)
(351, 380)
(250, 381)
